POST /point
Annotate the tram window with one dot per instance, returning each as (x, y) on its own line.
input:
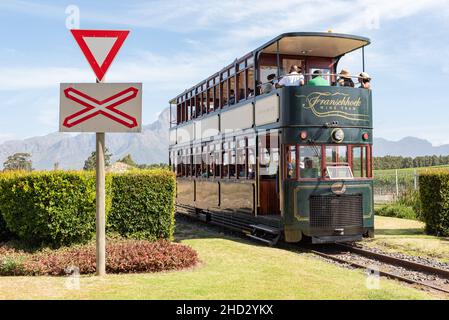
(250, 82)
(210, 161)
(204, 162)
(241, 158)
(291, 162)
(216, 97)
(241, 86)
(178, 163)
(336, 155)
(217, 157)
(224, 93)
(232, 160)
(193, 107)
(197, 161)
(310, 162)
(204, 102)
(251, 152)
(268, 155)
(210, 94)
(359, 161)
(232, 90)
(225, 172)
(265, 71)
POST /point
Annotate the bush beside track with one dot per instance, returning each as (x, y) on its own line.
(58, 208)
(434, 194)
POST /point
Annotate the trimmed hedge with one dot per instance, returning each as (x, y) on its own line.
(49, 208)
(143, 204)
(434, 194)
(58, 208)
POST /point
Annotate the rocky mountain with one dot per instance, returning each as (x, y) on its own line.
(408, 147)
(70, 151)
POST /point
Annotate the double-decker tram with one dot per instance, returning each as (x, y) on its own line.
(278, 161)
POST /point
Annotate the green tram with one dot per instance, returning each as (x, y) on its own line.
(278, 162)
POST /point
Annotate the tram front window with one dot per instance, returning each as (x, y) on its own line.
(337, 165)
(310, 162)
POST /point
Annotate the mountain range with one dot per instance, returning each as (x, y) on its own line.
(151, 146)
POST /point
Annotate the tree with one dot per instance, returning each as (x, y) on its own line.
(90, 163)
(18, 161)
(128, 160)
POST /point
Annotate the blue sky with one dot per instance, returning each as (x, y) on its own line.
(175, 44)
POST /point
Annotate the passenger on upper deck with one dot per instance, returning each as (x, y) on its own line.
(270, 85)
(345, 79)
(364, 80)
(294, 78)
(317, 79)
(231, 97)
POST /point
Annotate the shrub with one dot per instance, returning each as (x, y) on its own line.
(434, 194)
(411, 198)
(121, 257)
(397, 210)
(54, 208)
(143, 204)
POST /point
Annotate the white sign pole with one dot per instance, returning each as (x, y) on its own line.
(101, 204)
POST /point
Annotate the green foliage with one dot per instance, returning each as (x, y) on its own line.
(128, 160)
(164, 166)
(434, 194)
(90, 163)
(54, 208)
(411, 198)
(143, 204)
(397, 210)
(399, 162)
(18, 161)
(58, 208)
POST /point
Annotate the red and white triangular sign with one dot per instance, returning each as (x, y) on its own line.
(100, 47)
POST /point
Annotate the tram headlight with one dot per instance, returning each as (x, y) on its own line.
(338, 135)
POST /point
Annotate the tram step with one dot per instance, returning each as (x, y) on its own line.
(265, 234)
(266, 228)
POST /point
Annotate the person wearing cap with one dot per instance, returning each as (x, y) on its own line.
(294, 78)
(344, 79)
(364, 80)
(317, 79)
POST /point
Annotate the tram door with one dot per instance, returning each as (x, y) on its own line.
(268, 173)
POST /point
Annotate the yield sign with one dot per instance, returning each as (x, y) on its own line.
(100, 47)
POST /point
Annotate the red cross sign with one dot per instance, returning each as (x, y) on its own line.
(101, 107)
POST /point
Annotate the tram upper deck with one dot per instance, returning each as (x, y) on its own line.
(233, 99)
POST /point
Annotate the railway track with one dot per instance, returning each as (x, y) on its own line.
(391, 267)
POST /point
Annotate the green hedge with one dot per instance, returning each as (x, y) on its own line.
(143, 204)
(434, 194)
(58, 208)
(52, 208)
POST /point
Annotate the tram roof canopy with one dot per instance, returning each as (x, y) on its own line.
(317, 44)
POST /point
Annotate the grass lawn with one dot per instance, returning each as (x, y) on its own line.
(231, 268)
(407, 236)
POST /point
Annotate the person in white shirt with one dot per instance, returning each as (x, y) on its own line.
(294, 78)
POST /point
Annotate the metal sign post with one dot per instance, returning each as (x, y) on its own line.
(100, 107)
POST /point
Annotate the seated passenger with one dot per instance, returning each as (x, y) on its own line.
(308, 171)
(294, 78)
(317, 79)
(344, 79)
(364, 80)
(270, 84)
(231, 97)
